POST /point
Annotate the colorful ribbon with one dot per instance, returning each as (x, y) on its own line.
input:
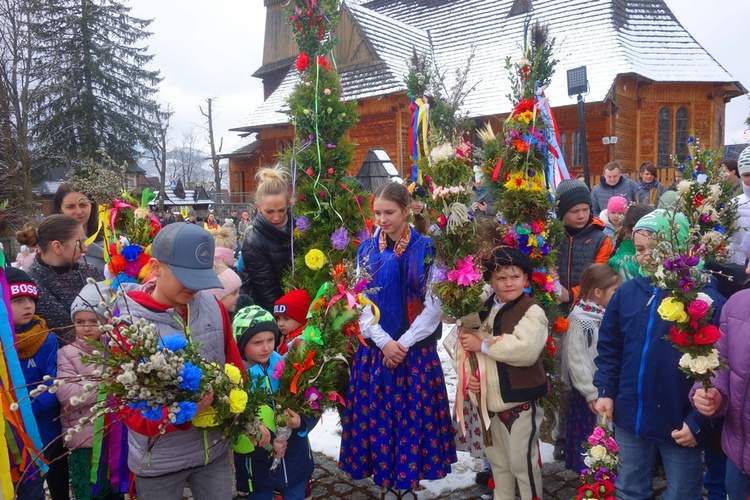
(343, 292)
(302, 368)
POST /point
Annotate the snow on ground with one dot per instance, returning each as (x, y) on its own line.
(326, 439)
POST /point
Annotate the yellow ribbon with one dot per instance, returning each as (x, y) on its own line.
(6, 482)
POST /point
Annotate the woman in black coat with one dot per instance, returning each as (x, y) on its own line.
(266, 249)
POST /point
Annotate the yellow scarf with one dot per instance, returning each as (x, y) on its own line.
(29, 342)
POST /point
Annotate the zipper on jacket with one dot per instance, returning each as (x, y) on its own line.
(742, 428)
(570, 264)
(642, 367)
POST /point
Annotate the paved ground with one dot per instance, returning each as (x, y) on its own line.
(331, 483)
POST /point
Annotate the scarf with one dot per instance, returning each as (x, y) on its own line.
(31, 338)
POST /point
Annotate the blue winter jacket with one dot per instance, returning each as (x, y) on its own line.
(297, 465)
(638, 367)
(46, 407)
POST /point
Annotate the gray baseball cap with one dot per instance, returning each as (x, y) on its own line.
(188, 249)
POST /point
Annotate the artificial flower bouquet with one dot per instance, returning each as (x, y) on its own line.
(313, 375)
(130, 231)
(163, 378)
(602, 459)
(706, 198)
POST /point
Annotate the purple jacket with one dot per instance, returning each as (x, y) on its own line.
(734, 347)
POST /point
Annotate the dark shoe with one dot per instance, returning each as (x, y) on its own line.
(559, 453)
(483, 477)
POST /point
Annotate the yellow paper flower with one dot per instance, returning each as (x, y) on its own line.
(315, 259)
(672, 310)
(144, 272)
(207, 418)
(234, 373)
(237, 400)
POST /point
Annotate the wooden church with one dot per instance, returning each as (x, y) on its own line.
(649, 82)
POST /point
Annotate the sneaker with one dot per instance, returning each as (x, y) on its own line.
(559, 453)
(483, 477)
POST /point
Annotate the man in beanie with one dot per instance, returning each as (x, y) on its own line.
(612, 183)
(178, 302)
(585, 243)
(37, 351)
(257, 335)
(743, 209)
(290, 312)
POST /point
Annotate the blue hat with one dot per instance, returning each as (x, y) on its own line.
(188, 249)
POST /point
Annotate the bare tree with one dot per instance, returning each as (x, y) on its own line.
(187, 159)
(157, 148)
(23, 84)
(215, 163)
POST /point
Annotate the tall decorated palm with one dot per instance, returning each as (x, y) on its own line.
(522, 167)
(331, 212)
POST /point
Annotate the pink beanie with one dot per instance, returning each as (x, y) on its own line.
(224, 255)
(617, 204)
(231, 282)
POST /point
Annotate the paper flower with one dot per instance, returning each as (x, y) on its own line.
(672, 310)
(465, 274)
(191, 377)
(174, 342)
(315, 259)
(186, 413)
(340, 238)
(237, 400)
(234, 373)
(303, 224)
(312, 395)
(207, 418)
(302, 62)
(132, 252)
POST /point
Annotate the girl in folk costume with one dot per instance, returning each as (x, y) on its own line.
(511, 380)
(397, 424)
(598, 284)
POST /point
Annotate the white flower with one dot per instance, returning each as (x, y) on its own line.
(713, 359)
(705, 298)
(699, 364)
(685, 361)
(588, 461)
(701, 179)
(684, 187)
(598, 452)
(441, 153)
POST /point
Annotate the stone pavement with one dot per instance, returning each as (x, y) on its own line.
(331, 483)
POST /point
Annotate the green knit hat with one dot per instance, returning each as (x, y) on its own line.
(663, 221)
(250, 321)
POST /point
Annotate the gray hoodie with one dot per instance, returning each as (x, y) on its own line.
(179, 449)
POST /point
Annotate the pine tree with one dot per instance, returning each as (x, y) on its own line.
(101, 95)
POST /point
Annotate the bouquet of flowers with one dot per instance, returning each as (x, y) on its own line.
(311, 376)
(163, 378)
(706, 199)
(130, 232)
(602, 460)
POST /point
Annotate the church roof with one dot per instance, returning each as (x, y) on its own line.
(609, 37)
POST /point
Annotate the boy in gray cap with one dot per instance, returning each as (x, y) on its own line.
(178, 302)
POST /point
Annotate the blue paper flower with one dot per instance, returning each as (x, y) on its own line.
(187, 412)
(137, 406)
(154, 414)
(340, 238)
(132, 252)
(120, 279)
(191, 377)
(174, 342)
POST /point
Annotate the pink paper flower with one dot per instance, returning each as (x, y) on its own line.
(611, 445)
(465, 273)
(278, 370)
(697, 309)
(597, 436)
(312, 395)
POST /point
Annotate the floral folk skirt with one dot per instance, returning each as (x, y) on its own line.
(397, 425)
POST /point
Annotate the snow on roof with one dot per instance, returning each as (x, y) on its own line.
(608, 37)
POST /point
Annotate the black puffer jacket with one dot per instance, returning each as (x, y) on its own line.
(266, 254)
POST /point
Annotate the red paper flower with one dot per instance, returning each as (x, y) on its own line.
(352, 329)
(679, 337)
(525, 105)
(520, 146)
(560, 325)
(707, 335)
(698, 200)
(323, 63)
(303, 61)
(117, 264)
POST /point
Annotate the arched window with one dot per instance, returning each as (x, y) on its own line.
(681, 133)
(664, 140)
(282, 147)
(564, 146)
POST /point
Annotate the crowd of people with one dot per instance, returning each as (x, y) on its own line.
(397, 425)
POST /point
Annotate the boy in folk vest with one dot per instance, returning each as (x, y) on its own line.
(510, 340)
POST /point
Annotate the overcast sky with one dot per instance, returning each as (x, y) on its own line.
(211, 49)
